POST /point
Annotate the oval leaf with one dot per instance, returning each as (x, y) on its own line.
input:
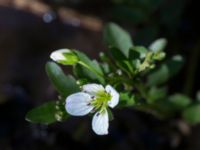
(192, 114)
(115, 36)
(179, 101)
(166, 71)
(65, 85)
(46, 114)
(158, 45)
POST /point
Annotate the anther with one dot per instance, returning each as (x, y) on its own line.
(98, 114)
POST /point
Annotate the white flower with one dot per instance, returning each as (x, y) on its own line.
(93, 98)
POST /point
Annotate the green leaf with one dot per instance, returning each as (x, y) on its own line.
(46, 114)
(65, 85)
(158, 45)
(117, 54)
(92, 65)
(179, 101)
(156, 94)
(166, 71)
(121, 61)
(117, 37)
(160, 76)
(105, 67)
(126, 99)
(87, 68)
(85, 73)
(192, 114)
(137, 52)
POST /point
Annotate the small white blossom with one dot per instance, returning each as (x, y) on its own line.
(93, 98)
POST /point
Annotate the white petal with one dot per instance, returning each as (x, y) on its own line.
(78, 104)
(92, 88)
(58, 55)
(100, 123)
(115, 96)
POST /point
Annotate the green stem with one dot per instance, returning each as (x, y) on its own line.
(90, 68)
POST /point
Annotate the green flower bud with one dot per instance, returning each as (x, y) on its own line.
(159, 55)
(64, 56)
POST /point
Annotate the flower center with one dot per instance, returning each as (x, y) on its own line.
(100, 100)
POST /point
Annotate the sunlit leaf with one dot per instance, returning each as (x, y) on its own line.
(117, 37)
(158, 45)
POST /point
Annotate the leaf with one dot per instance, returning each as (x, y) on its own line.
(45, 114)
(192, 114)
(179, 101)
(159, 76)
(137, 52)
(166, 71)
(156, 94)
(175, 64)
(105, 67)
(158, 45)
(93, 65)
(121, 61)
(85, 73)
(117, 54)
(126, 99)
(117, 37)
(65, 85)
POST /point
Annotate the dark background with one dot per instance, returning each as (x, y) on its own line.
(31, 30)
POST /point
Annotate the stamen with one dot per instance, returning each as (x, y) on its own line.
(93, 110)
